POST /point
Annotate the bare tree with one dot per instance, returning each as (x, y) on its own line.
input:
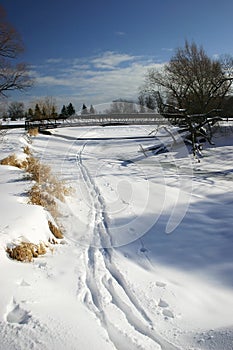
(122, 107)
(194, 81)
(191, 88)
(16, 110)
(226, 62)
(12, 77)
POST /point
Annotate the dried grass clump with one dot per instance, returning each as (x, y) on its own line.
(33, 132)
(38, 172)
(27, 150)
(42, 175)
(26, 251)
(58, 188)
(45, 192)
(49, 183)
(55, 230)
(13, 161)
(39, 197)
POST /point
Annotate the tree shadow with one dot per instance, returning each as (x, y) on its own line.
(202, 242)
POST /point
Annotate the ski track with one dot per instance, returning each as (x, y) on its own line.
(103, 281)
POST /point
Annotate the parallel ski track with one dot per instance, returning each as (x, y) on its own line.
(113, 282)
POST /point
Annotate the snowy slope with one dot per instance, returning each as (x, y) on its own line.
(146, 262)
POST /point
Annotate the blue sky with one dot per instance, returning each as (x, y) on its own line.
(95, 51)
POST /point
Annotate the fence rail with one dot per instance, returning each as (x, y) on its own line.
(104, 120)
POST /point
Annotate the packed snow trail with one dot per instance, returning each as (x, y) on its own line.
(149, 293)
(106, 287)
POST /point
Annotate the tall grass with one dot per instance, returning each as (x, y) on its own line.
(33, 132)
(14, 161)
(46, 191)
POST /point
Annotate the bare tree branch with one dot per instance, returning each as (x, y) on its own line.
(196, 82)
(12, 77)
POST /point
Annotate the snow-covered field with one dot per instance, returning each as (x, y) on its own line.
(146, 261)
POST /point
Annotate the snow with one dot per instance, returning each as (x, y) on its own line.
(146, 260)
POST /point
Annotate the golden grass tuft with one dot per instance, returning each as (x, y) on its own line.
(39, 197)
(25, 251)
(33, 132)
(55, 230)
(27, 150)
(38, 172)
(45, 192)
(13, 161)
(48, 182)
(41, 174)
(57, 188)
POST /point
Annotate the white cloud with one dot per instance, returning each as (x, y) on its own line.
(94, 80)
(54, 60)
(168, 49)
(50, 80)
(216, 56)
(110, 59)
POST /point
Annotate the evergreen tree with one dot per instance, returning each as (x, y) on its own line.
(92, 110)
(64, 113)
(43, 114)
(84, 109)
(30, 113)
(37, 112)
(70, 110)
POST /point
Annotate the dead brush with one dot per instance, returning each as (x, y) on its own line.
(45, 192)
(39, 197)
(25, 251)
(27, 151)
(55, 230)
(58, 188)
(33, 131)
(49, 183)
(13, 161)
(38, 172)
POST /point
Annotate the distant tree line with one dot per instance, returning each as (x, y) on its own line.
(85, 110)
(46, 109)
(42, 109)
(67, 111)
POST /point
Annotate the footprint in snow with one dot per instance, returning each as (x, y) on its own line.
(163, 303)
(160, 284)
(168, 313)
(17, 314)
(143, 250)
(41, 265)
(24, 283)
